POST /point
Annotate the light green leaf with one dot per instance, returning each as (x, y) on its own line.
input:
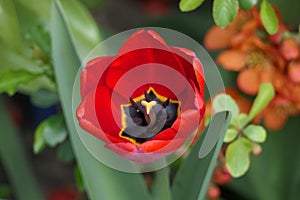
(237, 157)
(10, 33)
(189, 5)
(255, 133)
(247, 4)
(193, 177)
(53, 130)
(94, 173)
(230, 135)
(161, 185)
(10, 80)
(85, 33)
(268, 17)
(223, 102)
(65, 152)
(224, 11)
(265, 95)
(39, 142)
(241, 121)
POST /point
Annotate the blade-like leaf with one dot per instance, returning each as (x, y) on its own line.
(189, 5)
(247, 4)
(268, 17)
(13, 158)
(161, 185)
(193, 177)
(224, 11)
(101, 181)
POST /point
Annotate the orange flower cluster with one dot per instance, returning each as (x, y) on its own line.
(259, 58)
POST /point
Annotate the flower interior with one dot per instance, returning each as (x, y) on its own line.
(147, 115)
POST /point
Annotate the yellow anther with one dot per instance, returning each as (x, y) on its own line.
(148, 105)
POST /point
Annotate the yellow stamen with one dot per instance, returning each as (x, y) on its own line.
(148, 105)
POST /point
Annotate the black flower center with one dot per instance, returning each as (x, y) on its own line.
(146, 116)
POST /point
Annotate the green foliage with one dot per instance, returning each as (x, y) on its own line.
(78, 179)
(65, 152)
(223, 102)
(51, 131)
(255, 133)
(265, 95)
(224, 11)
(230, 135)
(237, 157)
(189, 5)
(193, 177)
(5, 191)
(247, 4)
(161, 185)
(10, 80)
(268, 17)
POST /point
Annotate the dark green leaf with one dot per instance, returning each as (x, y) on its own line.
(255, 133)
(268, 17)
(14, 160)
(94, 173)
(193, 177)
(53, 130)
(237, 157)
(44, 98)
(5, 191)
(78, 179)
(247, 4)
(224, 11)
(265, 95)
(161, 185)
(65, 152)
(10, 80)
(189, 5)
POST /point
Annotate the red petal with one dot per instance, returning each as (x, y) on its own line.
(91, 74)
(142, 39)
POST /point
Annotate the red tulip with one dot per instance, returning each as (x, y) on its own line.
(145, 101)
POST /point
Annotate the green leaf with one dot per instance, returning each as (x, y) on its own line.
(255, 133)
(189, 5)
(224, 11)
(94, 173)
(10, 80)
(241, 121)
(230, 135)
(5, 191)
(78, 179)
(265, 95)
(224, 102)
(65, 152)
(85, 33)
(39, 142)
(9, 25)
(53, 130)
(268, 17)
(193, 177)
(247, 4)
(44, 98)
(161, 185)
(14, 160)
(237, 157)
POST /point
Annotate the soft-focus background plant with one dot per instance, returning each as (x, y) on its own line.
(42, 157)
